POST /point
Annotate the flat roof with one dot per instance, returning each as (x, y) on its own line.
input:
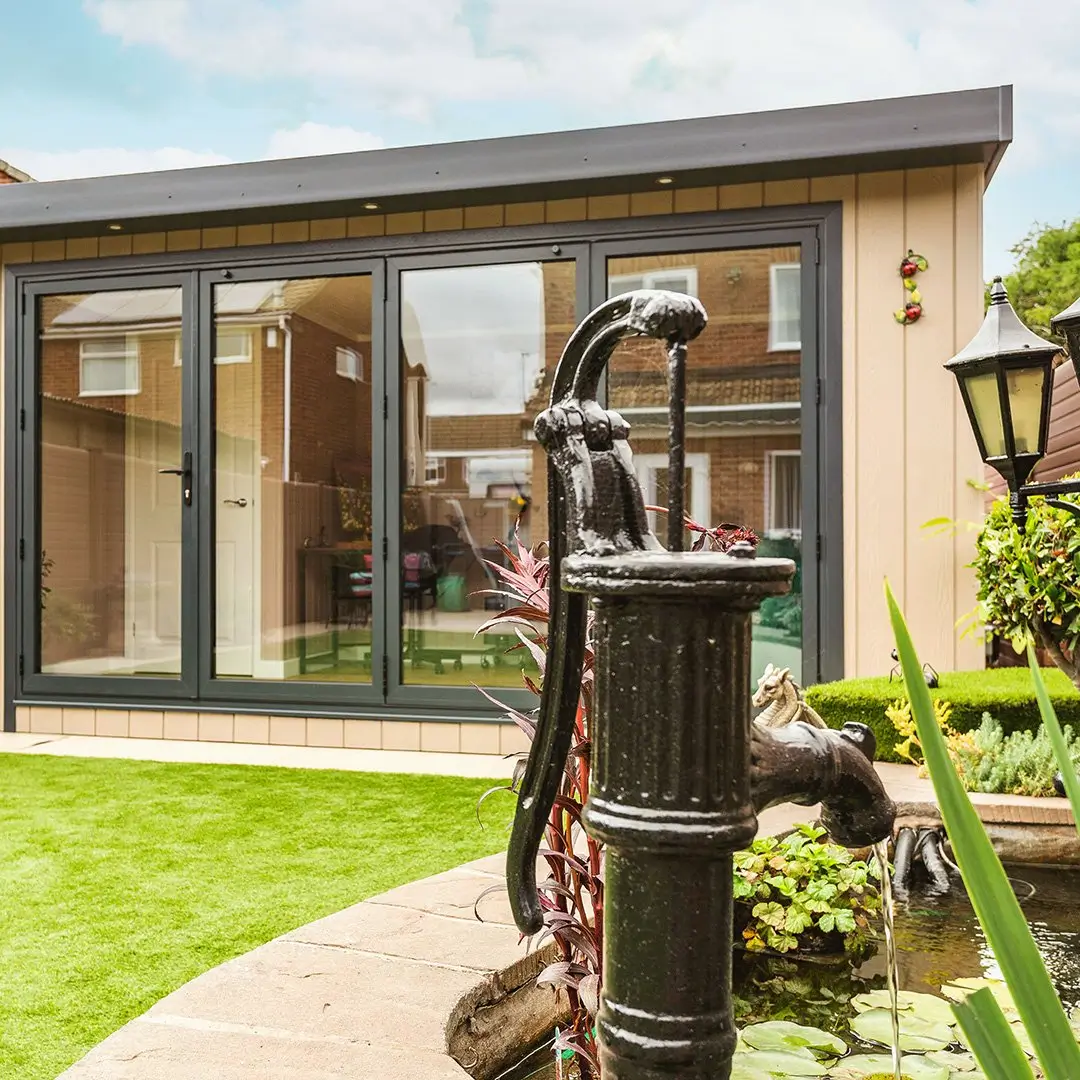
(963, 127)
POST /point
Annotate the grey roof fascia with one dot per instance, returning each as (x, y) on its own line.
(962, 127)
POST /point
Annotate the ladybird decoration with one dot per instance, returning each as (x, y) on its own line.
(910, 265)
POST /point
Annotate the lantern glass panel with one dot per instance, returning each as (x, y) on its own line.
(982, 393)
(1026, 387)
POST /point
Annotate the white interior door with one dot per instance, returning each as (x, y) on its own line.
(153, 508)
(237, 490)
(236, 554)
(652, 476)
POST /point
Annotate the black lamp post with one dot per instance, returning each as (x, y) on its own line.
(1006, 377)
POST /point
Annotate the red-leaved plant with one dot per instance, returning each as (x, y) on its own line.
(572, 895)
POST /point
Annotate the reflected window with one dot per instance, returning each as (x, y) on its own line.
(349, 363)
(785, 493)
(682, 279)
(785, 315)
(479, 345)
(232, 346)
(109, 366)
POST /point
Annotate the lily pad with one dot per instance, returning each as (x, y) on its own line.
(742, 1068)
(782, 1064)
(961, 1062)
(875, 1025)
(913, 1067)
(926, 1006)
(784, 1035)
(959, 989)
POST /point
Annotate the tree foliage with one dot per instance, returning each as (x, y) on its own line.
(1029, 580)
(1047, 275)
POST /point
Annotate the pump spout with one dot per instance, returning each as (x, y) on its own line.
(807, 765)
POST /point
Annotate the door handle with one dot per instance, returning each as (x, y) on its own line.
(235, 502)
(185, 472)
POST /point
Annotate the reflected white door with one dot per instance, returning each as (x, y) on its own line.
(236, 517)
(651, 472)
(153, 511)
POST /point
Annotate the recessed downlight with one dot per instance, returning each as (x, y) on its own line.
(665, 179)
(371, 206)
(115, 226)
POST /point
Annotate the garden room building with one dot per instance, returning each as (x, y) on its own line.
(266, 425)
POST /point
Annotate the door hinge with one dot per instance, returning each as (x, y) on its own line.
(22, 549)
(817, 250)
(386, 407)
(817, 392)
(22, 419)
(24, 303)
(385, 675)
(385, 549)
(22, 664)
(817, 548)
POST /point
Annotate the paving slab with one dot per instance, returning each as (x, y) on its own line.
(390, 930)
(463, 893)
(172, 1048)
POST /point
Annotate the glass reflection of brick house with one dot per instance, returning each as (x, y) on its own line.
(743, 387)
(111, 368)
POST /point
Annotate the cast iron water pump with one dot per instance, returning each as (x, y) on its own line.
(679, 771)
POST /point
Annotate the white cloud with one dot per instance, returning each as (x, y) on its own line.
(70, 164)
(628, 59)
(311, 138)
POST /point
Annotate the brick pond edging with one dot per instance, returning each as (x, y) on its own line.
(1023, 829)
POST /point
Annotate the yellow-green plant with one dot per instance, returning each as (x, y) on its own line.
(909, 747)
(999, 913)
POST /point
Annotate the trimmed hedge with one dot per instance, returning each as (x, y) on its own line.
(1005, 693)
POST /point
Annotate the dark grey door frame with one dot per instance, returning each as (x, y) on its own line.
(399, 692)
(265, 692)
(24, 523)
(821, 399)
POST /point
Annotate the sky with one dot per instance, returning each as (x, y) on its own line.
(97, 87)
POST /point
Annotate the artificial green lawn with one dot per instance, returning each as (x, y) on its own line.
(121, 880)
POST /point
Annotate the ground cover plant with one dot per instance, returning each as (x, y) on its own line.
(799, 892)
(122, 880)
(986, 759)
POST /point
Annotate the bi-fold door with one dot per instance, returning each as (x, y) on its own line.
(294, 485)
(205, 514)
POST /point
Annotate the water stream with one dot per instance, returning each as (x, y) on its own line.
(892, 967)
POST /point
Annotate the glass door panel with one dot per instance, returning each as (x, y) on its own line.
(112, 482)
(743, 417)
(478, 347)
(295, 573)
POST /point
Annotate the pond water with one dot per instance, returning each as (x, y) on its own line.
(938, 939)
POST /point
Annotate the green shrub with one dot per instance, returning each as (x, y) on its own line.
(1022, 763)
(1005, 693)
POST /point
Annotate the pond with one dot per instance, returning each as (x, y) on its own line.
(938, 940)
